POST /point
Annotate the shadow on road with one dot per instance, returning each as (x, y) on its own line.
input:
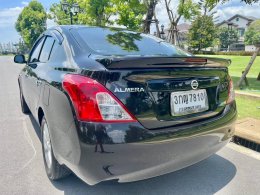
(207, 177)
(35, 126)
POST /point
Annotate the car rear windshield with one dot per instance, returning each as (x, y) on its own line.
(117, 42)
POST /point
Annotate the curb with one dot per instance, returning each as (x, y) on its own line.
(248, 129)
(247, 95)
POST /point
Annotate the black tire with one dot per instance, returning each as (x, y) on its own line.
(54, 171)
(24, 106)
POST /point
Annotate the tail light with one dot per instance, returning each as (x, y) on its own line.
(197, 60)
(93, 102)
(231, 92)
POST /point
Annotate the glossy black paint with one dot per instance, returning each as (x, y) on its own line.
(20, 59)
(159, 142)
(153, 110)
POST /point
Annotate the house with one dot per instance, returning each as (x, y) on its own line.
(183, 30)
(240, 23)
(182, 33)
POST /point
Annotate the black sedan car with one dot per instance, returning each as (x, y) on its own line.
(117, 104)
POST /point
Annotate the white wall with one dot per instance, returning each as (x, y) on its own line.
(225, 25)
(242, 23)
(250, 48)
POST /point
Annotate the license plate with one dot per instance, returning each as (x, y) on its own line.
(189, 102)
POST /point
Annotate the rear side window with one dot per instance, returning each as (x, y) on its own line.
(58, 53)
(36, 51)
(46, 49)
(126, 43)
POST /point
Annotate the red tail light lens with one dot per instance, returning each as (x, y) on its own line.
(231, 92)
(93, 102)
(197, 60)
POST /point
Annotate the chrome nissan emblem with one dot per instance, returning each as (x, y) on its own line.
(194, 84)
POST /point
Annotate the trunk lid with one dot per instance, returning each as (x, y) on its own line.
(149, 86)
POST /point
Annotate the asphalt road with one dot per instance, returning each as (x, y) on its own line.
(233, 170)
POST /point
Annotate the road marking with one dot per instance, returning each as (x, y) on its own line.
(29, 140)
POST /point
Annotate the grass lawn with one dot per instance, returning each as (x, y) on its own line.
(6, 54)
(248, 108)
(239, 64)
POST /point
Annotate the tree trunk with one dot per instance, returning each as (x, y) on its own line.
(174, 34)
(174, 20)
(251, 62)
(157, 26)
(258, 77)
(149, 16)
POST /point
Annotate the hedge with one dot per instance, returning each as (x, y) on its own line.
(229, 53)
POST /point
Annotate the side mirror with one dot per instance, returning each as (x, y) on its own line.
(20, 59)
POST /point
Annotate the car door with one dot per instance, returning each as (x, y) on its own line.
(27, 77)
(40, 72)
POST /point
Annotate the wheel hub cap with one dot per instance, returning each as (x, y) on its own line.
(47, 145)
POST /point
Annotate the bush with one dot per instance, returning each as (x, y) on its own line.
(228, 53)
(203, 52)
(235, 53)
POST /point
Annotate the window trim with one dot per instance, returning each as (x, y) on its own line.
(35, 46)
(46, 36)
(51, 49)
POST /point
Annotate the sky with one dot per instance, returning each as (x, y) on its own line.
(10, 9)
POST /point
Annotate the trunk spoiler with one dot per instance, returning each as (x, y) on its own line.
(161, 62)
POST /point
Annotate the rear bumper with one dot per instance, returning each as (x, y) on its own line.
(133, 153)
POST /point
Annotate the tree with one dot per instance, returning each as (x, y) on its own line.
(186, 9)
(31, 22)
(93, 12)
(96, 12)
(22, 47)
(150, 13)
(207, 8)
(99, 13)
(58, 15)
(130, 13)
(224, 1)
(252, 35)
(202, 33)
(227, 37)
(1, 48)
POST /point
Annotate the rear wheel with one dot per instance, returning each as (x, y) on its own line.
(24, 106)
(53, 169)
